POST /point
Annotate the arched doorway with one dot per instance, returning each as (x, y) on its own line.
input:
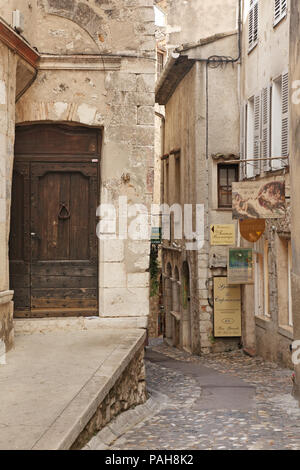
(53, 242)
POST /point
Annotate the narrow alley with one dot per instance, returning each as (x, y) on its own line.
(227, 401)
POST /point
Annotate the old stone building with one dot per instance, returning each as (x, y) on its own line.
(199, 88)
(227, 120)
(77, 105)
(265, 128)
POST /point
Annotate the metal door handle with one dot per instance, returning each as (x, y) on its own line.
(34, 235)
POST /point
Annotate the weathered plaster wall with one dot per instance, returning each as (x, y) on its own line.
(188, 21)
(116, 95)
(295, 169)
(8, 64)
(270, 58)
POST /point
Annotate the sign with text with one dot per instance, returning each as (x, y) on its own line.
(222, 235)
(227, 309)
(240, 268)
(258, 200)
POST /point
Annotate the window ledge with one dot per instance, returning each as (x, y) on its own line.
(286, 331)
(223, 209)
(262, 321)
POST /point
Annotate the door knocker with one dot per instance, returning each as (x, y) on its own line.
(64, 212)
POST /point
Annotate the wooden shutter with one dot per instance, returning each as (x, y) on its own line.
(256, 144)
(285, 116)
(266, 113)
(253, 23)
(242, 141)
(280, 10)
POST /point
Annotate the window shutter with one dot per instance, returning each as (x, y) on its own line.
(253, 23)
(285, 116)
(280, 10)
(242, 141)
(256, 145)
(266, 114)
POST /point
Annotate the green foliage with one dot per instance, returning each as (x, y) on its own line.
(154, 272)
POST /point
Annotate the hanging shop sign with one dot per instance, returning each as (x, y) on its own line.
(240, 268)
(252, 229)
(227, 309)
(222, 235)
(258, 200)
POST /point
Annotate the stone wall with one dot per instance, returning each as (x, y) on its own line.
(129, 391)
(97, 69)
(186, 128)
(8, 63)
(295, 171)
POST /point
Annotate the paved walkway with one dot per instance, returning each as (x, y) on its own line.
(226, 401)
(53, 383)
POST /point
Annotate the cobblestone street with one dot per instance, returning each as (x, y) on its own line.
(225, 401)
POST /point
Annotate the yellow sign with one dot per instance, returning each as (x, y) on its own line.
(222, 235)
(227, 309)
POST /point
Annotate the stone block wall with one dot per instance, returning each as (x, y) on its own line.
(129, 391)
(97, 69)
(7, 130)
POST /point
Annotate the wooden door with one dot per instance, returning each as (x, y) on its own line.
(53, 243)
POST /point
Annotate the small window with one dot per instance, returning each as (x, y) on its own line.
(227, 174)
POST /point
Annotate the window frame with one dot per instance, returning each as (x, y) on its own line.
(226, 166)
(160, 64)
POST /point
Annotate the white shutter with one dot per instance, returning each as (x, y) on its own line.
(280, 10)
(242, 141)
(266, 118)
(253, 24)
(256, 143)
(285, 116)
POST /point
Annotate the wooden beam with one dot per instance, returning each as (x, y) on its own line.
(18, 45)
